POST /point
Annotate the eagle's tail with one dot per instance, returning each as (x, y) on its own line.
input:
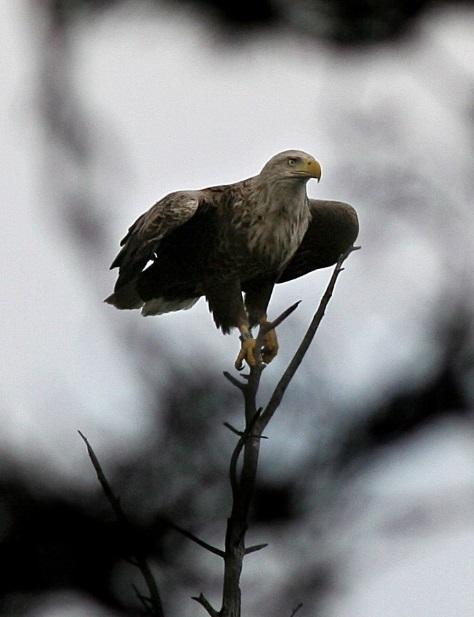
(159, 306)
(125, 297)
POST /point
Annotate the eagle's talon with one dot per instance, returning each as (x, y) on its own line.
(270, 346)
(247, 353)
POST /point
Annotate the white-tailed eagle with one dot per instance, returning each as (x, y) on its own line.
(222, 241)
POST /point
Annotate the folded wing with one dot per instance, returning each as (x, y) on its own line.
(144, 236)
(143, 240)
(332, 230)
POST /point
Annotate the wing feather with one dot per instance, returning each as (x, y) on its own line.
(146, 233)
(332, 230)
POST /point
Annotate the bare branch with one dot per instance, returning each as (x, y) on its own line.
(255, 548)
(238, 449)
(145, 602)
(233, 465)
(295, 362)
(113, 500)
(296, 609)
(191, 536)
(249, 443)
(240, 433)
(263, 330)
(156, 608)
(206, 604)
(234, 381)
(233, 429)
(271, 325)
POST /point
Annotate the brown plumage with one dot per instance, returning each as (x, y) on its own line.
(221, 241)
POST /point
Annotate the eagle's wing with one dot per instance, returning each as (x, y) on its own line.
(332, 231)
(145, 235)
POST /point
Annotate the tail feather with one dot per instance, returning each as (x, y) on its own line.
(125, 297)
(161, 305)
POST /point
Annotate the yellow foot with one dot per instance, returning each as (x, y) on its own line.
(270, 346)
(247, 353)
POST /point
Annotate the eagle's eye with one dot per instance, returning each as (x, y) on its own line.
(291, 161)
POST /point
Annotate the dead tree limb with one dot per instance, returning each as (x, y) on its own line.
(248, 446)
(295, 362)
(152, 603)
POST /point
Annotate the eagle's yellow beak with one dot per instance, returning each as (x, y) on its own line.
(312, 168)
(308, 167)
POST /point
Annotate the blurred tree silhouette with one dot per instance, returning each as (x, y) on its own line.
(342, 22)
(53, 542)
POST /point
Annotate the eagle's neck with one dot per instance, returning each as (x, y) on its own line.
(279, 217)
(284, 198)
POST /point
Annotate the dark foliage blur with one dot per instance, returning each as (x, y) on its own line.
(52, 541)
(342, 22)
(413, 408)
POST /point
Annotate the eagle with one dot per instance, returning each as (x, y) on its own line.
(232, 243)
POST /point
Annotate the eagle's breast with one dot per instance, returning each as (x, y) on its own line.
(274, 221)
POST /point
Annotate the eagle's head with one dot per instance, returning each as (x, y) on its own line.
(292, 164)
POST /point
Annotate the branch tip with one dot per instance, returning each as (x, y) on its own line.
(276, 322)
(296, 609)
(233, 429)
(255, 548)
(155, 609)
(295, 362)
(234, 381)
(191, 536)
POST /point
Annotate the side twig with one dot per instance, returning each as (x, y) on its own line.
(271, 325)
(254, 549)
(206, 604)
(144, 601)
(191, 536)
(153, 603)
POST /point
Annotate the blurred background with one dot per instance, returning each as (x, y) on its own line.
(366, 484)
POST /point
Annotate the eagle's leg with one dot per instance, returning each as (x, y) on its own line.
(257, 297)
(247, 347)
(225, 302)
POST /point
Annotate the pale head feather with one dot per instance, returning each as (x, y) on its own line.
(287, 164)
